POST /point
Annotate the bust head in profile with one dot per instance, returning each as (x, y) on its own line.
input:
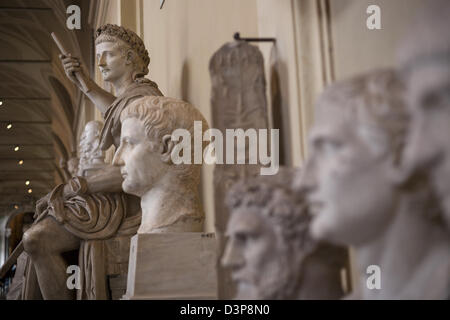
(356, 190)
(168, 191)
(269, 251)
(425, 65)
(121, 55)
(355, 148)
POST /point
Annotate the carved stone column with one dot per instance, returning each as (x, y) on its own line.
(238, 100)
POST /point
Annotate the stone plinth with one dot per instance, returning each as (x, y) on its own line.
(172, 266)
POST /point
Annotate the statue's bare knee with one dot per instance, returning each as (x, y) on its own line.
(32, 242)
(48, 237)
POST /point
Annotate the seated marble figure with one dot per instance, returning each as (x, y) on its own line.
(123, 62)
(269, 251)
(72, 219)
(169, 193)
(355, 187)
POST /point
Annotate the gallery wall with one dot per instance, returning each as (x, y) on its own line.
(358, 49)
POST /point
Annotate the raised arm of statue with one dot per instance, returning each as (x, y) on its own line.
(123, 62)
(107, 180)
(93, 175)
(101, 98)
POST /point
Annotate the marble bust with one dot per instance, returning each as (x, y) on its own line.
(269, 252)
(169, 192)
(72, 166)
(92, 157)
(424, 58)
(354, 185)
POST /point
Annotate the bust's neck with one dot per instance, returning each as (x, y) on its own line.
(166, 202)
(316, 268)
(413, 256)
(122, 84)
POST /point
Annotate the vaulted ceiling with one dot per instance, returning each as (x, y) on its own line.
(39, 106)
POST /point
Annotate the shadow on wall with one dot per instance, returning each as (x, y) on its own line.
(280, 111)
(185, 87)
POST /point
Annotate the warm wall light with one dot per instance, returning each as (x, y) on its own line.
(27, 182)
(9, 126)
(20, 162)
(16, 148)
(16, 206)
(30, 190)
(1, 102)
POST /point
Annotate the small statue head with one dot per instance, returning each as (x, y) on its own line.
(267, 237)
(351, 174)
(72, 166)
(148, 144)
(120, 51)
(90, 152)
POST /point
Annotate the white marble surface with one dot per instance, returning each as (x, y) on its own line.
(172, 266)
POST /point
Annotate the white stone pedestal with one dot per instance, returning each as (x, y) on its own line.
(172, 266)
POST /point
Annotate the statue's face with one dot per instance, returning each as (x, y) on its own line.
(89, 136)
(113, 65)
(428, 148)
(140, 166)
(349, 191)
(72, 165)
(254, 254)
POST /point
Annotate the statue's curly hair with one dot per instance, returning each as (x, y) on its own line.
(110, 32)
(276, 201)
(162, 116)
(286, 213)
(375, 100)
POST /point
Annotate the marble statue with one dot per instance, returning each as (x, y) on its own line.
(92, 207)
(89, 142)
(78, 220)
(424, 58)
(72, 166)
(269, 251)
(92, 156)
(69, 168)
(123, 62)
(169, 195)
(357, 195)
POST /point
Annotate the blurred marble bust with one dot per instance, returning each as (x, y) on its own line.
(92, 157)
(354, 182)
(269, 250)
(169, 195)
(424, 57)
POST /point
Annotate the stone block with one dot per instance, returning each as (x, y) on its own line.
(172, 266)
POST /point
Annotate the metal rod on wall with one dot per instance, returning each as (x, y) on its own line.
(237, 37)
